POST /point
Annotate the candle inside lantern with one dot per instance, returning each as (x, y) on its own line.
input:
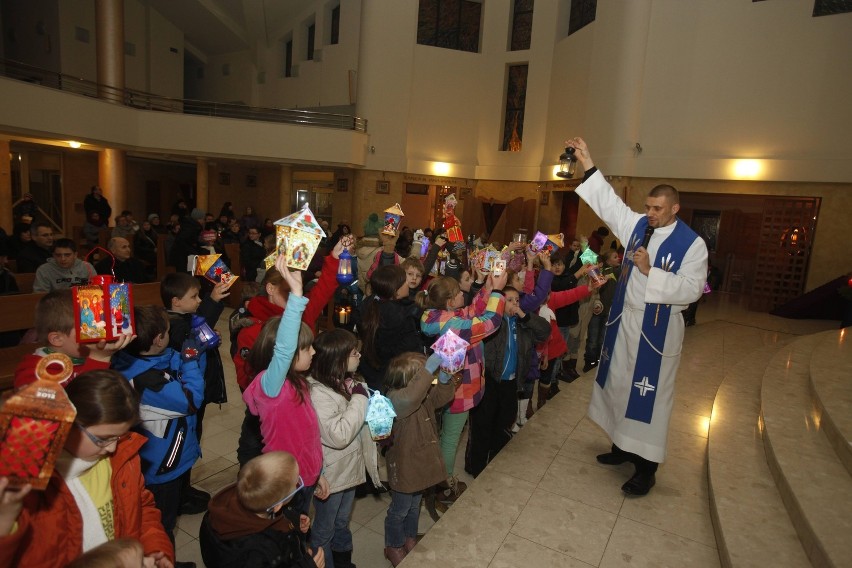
(343, 316)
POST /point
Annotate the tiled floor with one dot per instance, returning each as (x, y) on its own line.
(545, 501)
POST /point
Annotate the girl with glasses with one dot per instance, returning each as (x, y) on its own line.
(348, 450)
(97, 492)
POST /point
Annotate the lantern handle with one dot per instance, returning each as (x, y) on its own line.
(112, 266)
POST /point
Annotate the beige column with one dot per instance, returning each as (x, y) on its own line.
(285, 191)
(6, 220)
(112, 178)
(202, 185)
(109, 24)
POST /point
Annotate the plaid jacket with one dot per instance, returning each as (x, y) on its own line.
(473, 324)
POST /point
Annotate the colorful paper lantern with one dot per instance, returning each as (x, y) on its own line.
(380, 415)
(393, 217)
(214, 269)
(103, 310)
(452, 350)
(34, 424)
(297, 237)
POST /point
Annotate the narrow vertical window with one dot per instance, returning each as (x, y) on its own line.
(516, 96)
(312, 34)
(335, 26)
(582, 14)
(288, 58)
(522, 16)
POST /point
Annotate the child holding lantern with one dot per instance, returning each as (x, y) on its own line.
(444, 305)
(348, 450)
(414, 461)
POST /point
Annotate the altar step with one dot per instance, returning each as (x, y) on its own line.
(778, 441)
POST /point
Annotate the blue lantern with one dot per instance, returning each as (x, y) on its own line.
(344, 269)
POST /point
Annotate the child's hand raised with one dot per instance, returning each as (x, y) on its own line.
(345, 242)
(293, 278)
(220, 291)
(498, 282)
(304, 523)
(103, 351)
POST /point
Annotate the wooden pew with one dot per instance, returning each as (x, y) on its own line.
(25, 282)
(17, 311)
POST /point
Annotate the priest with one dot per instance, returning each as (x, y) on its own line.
(663, 271)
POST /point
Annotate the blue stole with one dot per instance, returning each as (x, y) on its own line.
(649, 358)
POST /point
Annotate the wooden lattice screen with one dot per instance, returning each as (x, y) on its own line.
(780, 271)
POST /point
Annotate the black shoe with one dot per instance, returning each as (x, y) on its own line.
(613, 458)
(554, 390)
(639, 484)
(569, 375)
(589, 366)
(194, 501)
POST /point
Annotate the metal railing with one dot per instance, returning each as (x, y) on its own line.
(149, 101)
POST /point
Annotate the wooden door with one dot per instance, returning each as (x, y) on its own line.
(781, 265)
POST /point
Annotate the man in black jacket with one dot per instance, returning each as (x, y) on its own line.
(37, 251)
(127, 268)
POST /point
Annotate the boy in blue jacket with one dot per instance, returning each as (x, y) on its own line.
(170, 384)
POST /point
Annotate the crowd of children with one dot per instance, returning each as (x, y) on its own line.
(123, 478)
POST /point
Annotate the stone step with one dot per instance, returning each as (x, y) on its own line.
(751, 522)
(815, 486)
(831, 384)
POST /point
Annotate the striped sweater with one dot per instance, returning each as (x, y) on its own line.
(473, 324)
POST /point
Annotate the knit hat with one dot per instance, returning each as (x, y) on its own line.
(153, 216)
(197, 214)
(372, 225)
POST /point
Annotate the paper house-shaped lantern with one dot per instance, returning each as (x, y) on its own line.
(214, 269)
(380, 415)
(590, 258)
(393, 217)
(297, 237)
(34, 424)
(557, 241)
(103, 310)
(549, 243)
(452, 349)
(486, 258)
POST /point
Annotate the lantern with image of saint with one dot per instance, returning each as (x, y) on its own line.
(34, 424)
(297, 236)
(380, 415)
(103, 310)
(393, 217)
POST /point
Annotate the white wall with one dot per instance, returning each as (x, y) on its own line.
(165, 67)
(322, 82)
(136, 32)
(720, 80)
(78, 58)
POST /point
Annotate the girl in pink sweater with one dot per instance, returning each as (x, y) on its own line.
(279, 393)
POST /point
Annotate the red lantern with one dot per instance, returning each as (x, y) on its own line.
(34, 424)
(103, 310)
